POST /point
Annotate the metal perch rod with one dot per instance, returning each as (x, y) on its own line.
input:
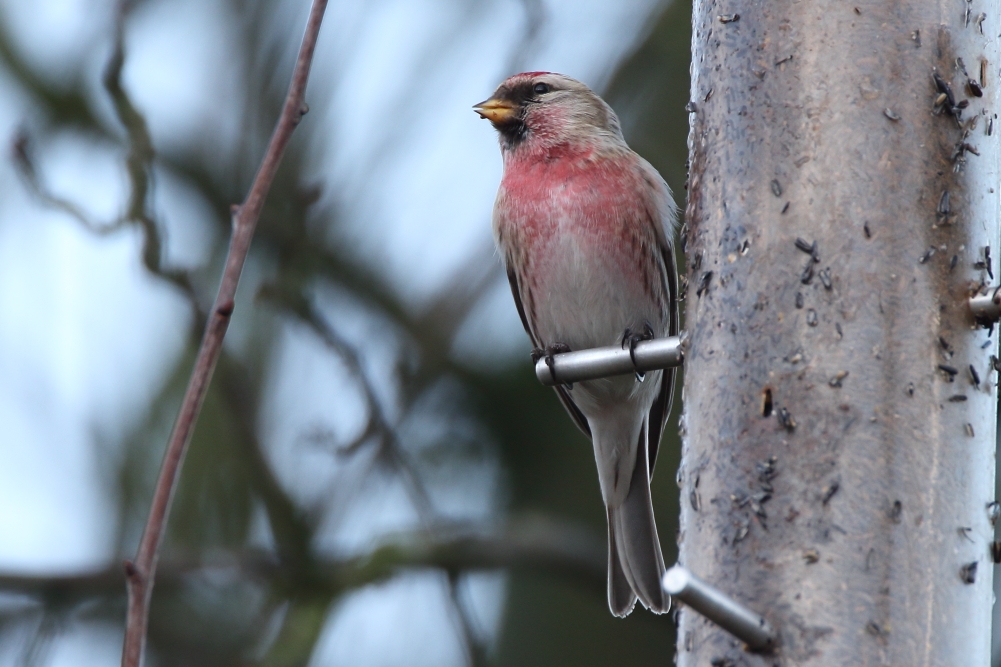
(602, 362)
(722, 610)
(987, 307)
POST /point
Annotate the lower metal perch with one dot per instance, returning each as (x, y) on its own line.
(986, 307)
(602, 362)
(722, 610)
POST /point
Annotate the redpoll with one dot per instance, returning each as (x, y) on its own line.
(585, 226)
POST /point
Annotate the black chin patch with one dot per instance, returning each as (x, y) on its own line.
(513, 132)
(522, 95)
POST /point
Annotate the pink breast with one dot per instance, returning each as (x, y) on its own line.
(572, 192)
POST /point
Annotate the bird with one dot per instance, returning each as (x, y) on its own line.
(585, 228)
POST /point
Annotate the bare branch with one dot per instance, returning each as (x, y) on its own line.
(23, 160)
(138, 161)
(534, 543)
(140, 573)
(385, 432)
(378, 425)
(140, 153)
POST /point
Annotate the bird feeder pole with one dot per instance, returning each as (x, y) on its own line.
(840, 399)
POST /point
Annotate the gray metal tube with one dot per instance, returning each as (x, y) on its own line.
(987, 307)
(840, 403)
(602, 362)
(725, 612)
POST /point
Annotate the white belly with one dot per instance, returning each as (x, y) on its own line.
(584, 302)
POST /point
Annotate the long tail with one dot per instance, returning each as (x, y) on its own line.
(635, 561)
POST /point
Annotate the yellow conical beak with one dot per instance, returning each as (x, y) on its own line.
(496, 111)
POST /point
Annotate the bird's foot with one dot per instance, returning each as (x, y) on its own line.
(631, 339)
(547, 354)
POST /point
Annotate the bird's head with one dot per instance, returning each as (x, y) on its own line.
(547, 109)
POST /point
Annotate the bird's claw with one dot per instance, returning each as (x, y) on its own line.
(547, 354)
(631, 339)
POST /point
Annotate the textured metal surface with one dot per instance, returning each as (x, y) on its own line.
(601, 362)
(724, 611)
(840, 402)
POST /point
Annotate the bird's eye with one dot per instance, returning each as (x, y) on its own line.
(541, 88)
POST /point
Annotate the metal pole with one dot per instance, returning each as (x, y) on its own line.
(650, 355)
(722, 610)
(840, 411)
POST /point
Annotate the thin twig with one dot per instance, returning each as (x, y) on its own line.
(25, 164)
(138, 159)
(475, 648)
(140, 572)
(390, 449)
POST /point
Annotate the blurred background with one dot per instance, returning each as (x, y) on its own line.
(377, 478)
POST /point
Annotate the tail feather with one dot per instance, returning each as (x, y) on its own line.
(621, 598)
(635, 559)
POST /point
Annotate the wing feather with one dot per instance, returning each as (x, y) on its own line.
(663, 216)
(561, 391)
(661, 408)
